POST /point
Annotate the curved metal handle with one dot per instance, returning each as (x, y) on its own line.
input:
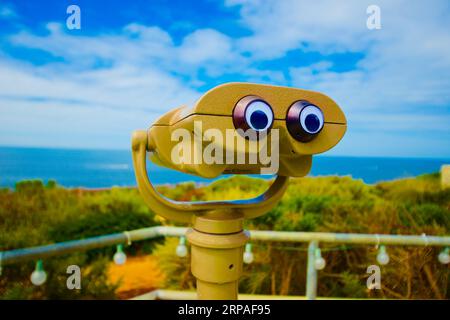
(181, 211)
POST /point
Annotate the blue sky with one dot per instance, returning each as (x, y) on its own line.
(133, 61)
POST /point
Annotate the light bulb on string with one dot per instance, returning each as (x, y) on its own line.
(382, 257)
(444, 256)
(248, 254)
(181, 250)
(38, 276)
(319, 261)
(119, 257)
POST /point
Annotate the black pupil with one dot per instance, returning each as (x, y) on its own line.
(259, 120)
(312, 122)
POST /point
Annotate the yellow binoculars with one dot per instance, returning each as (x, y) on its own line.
(246, 115)
(235, 128)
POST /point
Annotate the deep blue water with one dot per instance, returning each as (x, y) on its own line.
(100, 168)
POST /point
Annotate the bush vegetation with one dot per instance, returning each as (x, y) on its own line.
(37, 214)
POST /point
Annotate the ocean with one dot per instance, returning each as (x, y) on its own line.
(107, 168)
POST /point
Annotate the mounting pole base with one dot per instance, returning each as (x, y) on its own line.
(216, 263)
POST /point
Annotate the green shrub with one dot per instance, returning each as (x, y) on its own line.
(35, 214)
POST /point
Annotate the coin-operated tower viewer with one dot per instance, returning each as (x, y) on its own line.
(306, 123)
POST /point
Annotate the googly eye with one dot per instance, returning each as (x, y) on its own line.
(252, 112)
(311, 119)
(258, 115)
(304, 121)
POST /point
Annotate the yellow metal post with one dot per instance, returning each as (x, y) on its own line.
(445, 176)
(216, 263)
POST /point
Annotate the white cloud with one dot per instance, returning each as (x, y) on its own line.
(136, 45)
(400, 88)
(280, 26)
(53, 124)
(74, 103)
(407, 61)
(136, 82)
(122, 87)
(85, 109)
(205, 45)
(120, 81)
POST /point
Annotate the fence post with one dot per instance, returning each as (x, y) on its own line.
(311, 275)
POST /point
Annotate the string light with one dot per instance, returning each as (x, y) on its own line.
(444, 257)
(382, 257)
(181, 248)
(119, 257)
(319, 261)
(248, 254)
(38, 276)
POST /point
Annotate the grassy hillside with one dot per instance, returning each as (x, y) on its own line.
(35, 214)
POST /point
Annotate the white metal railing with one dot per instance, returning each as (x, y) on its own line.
(313, 238)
